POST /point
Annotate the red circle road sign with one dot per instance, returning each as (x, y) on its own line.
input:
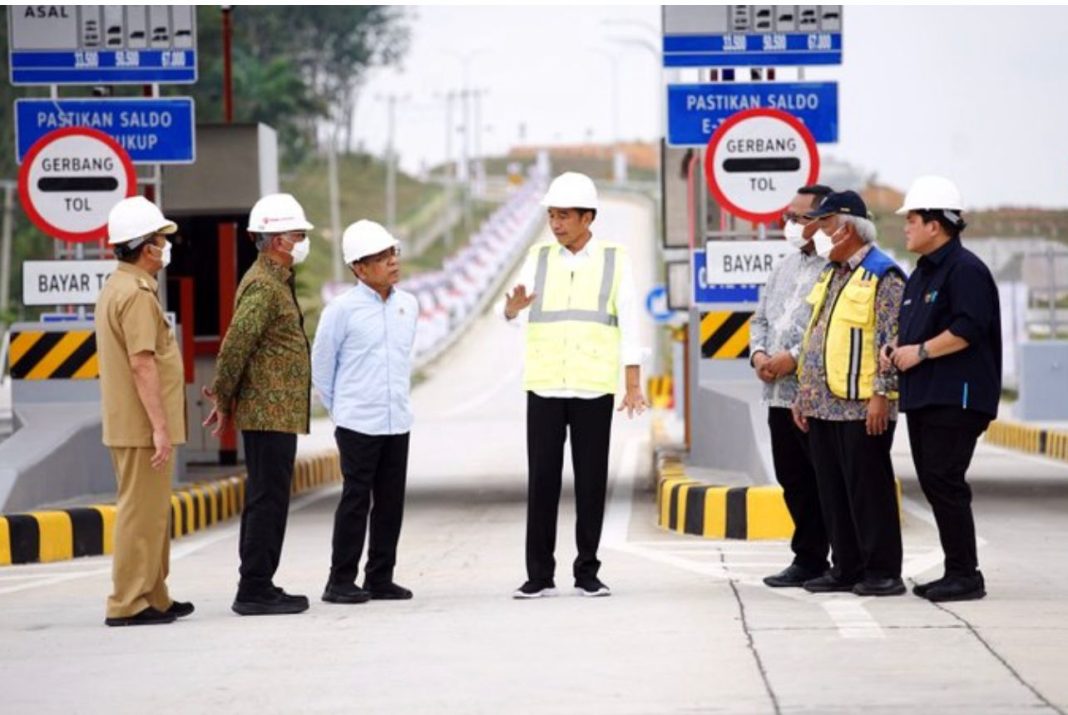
(757, 160)
(71, 178)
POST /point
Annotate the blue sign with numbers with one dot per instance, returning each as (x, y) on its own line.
(104, 67)
(151, 130)
(753, 49)
(695, 111)
(704, 292)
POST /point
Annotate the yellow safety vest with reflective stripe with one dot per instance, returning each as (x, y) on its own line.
(572, 334)
(849, 351)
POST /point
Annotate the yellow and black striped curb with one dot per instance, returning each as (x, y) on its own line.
(44, 536)
(1034, 440)
(725, 334)
(660, 391)
(689, 506)
(40, 355)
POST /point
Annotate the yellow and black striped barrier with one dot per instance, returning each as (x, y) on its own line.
(725, 334)
(60, 355)
(44, 536)
(689, 506)
(661, 392)
(1025, 438)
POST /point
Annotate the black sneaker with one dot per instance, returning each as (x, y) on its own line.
(828, 583)
(592, 587)
(535, 589)
(958, 588)
(345, 593)
(269, 603)
(148, 617)
(793, 576)
(180, 609)
(388, 592)
(885, 586)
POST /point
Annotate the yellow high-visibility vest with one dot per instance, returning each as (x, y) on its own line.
(849, 351)
(572, 335)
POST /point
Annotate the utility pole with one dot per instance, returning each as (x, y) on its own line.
(335, 203)
(465, 154)
(391, 161)
(450, 166)
(5, 246)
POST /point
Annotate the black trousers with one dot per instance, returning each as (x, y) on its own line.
(590, 425)
(858, 497)
(269, 458)
(793, 469)
(943, 442)
(375, 468)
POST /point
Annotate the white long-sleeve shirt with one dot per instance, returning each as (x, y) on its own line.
(361, 360)
(631, 350)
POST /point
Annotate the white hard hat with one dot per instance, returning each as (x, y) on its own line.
(136, 217)
(277, 213)
(571, 190)
(931, 193)
(365, 238)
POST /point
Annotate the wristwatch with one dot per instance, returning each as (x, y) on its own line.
(922, 352)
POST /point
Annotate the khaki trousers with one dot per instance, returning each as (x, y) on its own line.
(142, 533)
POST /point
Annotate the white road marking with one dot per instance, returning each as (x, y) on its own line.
(852, 619)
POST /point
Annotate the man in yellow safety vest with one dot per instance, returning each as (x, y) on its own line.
(847, 405)
(581, 327)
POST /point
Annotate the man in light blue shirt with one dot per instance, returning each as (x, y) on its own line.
(361, 368)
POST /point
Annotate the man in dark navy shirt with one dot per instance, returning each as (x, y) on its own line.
(949, 358)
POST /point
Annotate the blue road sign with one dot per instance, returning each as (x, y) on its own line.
(151, 130)
(703, 292)
(104, 67)
(695, 111)
(749, 49)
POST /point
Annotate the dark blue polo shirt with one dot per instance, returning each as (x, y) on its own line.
(951, 289)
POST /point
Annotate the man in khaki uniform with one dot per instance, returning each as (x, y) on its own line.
(143, 404)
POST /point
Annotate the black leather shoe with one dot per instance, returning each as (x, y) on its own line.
(388, 592)
(148, 617)
(793, 576)
(269, 603)
(958, 588)
(921, 589)
(880, 587)
(345, 593)
(293, 598)
(180, 609)
(827, 583)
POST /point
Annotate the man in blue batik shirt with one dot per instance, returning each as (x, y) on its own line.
(361, 368)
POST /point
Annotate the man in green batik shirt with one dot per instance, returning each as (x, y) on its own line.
(263, 384)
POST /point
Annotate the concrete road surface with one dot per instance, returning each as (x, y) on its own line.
(689, 627)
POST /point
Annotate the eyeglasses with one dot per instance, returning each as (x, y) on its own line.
(385, 255)
(795, 217)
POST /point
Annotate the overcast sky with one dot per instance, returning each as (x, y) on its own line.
(976, 93)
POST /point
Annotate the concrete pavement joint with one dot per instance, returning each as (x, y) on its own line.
(1015, 674)
(751, 645)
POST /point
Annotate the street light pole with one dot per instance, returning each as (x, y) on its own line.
(5, 246)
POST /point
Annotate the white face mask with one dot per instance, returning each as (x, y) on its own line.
(795, 234)
(165, 254)
(300, 251)
(823, 243)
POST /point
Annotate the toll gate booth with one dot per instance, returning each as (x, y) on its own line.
(210, 201)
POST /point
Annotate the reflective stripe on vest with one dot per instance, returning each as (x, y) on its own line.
(601, 315)
(572, 332)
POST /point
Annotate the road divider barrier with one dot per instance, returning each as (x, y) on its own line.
(62, 534)
(1026, 438)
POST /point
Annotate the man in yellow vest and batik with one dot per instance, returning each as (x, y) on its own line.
(581, 327)
(849, 407)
